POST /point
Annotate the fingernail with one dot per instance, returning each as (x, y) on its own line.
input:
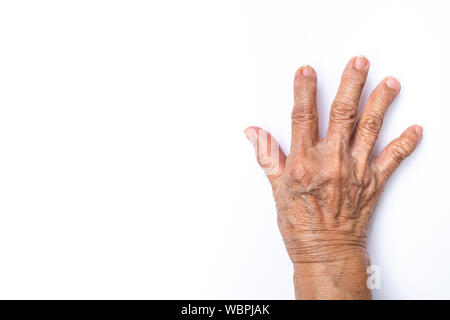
(360, 63)
(418, 130)
(393, 83)
(308, 71)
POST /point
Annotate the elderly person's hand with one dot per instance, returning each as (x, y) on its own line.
(326, 189)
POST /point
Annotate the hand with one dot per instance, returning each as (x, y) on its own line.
(326, 189)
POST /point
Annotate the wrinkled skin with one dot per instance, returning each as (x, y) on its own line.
(326, 189)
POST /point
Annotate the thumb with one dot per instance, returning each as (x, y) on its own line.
(268, 152)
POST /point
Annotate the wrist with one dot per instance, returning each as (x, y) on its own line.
(344, 276)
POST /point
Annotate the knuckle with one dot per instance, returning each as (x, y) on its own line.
(401, 150)
(380, 99)
(353, 83)
(303, 111)
(351, 86)
(304, 116)
(397, 154)
(371, 123)
(343, 109)
(297, 173)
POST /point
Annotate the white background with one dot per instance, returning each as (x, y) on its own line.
(124, 170)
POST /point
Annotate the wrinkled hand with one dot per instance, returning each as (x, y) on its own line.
(326, 189)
